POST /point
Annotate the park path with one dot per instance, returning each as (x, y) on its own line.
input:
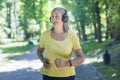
(27, 67)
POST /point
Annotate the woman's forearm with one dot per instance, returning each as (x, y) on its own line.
(77, 61)
(40, 54)
(79, 58)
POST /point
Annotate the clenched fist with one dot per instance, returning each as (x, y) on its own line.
(61, 63)
(47, 64)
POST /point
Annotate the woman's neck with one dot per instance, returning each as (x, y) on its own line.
(58, 30)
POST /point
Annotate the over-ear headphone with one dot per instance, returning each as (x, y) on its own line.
(64, 17)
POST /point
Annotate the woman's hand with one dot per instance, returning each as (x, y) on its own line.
(61, 63)
(47, 64)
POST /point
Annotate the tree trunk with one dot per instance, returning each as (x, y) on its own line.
(9, 18)
(34, 10)
(98, 22)
(15, 19)
(117, 33)
(95, 27)
(107, 22)
(79, 32)
(27, 35)
(83, 31)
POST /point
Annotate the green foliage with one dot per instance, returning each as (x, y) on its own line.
(34, 10)
(85, 11)
(1, 1)
(81, 11)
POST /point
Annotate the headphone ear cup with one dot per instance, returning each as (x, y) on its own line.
(50, 19)
(65, 18)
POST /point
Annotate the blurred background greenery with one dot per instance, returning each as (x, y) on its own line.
(97, 23)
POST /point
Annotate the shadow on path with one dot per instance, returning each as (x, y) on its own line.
(21, 74)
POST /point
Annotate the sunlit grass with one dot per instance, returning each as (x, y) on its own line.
(9, 51)
(16, 47)
(93, 46)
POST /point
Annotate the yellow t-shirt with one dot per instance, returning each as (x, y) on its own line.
(59, 49)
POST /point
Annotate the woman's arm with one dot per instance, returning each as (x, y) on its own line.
(74, 62)
(40, 55)
(79, 58)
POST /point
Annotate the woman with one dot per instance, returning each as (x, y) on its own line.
(58, 44)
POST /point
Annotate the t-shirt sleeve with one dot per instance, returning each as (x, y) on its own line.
(75, 40)
(42, 41)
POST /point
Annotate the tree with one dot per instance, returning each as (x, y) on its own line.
(1, 1)
(8, 5)
(79, 9)
(112, 18)
(33, 9)
(97, 10)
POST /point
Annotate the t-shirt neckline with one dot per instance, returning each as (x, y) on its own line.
(55, 39)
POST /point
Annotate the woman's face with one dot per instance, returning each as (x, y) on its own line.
(56, 18)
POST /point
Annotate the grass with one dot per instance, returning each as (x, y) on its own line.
(15, 49)
(93, 50)
(109, 72)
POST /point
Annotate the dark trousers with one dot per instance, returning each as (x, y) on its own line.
(58, 78)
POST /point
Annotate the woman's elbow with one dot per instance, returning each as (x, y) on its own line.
(82, 59)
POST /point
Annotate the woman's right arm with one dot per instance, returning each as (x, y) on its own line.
(45, 62)
(40, 54)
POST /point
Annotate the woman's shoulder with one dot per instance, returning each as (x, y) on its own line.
(72, 33)
(46, 32)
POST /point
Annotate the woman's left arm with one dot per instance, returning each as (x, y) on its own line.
(74, 62)
(79, 58)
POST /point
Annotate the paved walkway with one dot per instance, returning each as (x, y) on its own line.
(27, 67)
